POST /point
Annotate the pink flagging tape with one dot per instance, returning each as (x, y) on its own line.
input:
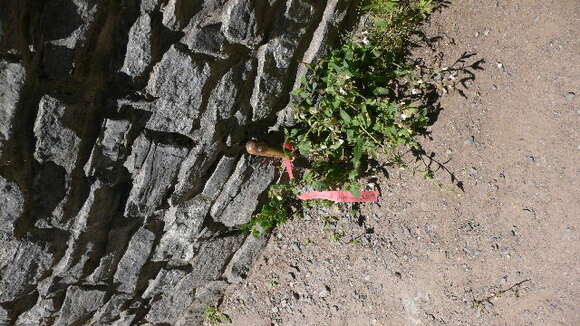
(341, 196)
(335, 196)
(287, 163)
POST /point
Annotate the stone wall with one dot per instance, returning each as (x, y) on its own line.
(122, 172)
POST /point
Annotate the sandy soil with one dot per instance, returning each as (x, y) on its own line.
(504, 252)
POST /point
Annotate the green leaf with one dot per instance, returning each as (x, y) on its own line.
(354, 189)
(304, 148)
(353, 174)
(381, 91)
(298, 91)
(345, 116)
(336, 145)
(357, 153)
(349, 134)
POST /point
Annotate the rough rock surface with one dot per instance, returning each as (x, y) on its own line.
(503, 249)
(123, 180)
(11, 205)
(12, 77)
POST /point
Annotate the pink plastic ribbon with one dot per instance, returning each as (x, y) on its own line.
(335, 196)
(287, 163)
(341, 196)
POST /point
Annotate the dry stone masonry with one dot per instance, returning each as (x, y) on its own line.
(123, 180)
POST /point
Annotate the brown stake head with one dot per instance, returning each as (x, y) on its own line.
(262, 149)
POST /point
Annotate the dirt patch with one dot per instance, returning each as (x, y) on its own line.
(504, 251)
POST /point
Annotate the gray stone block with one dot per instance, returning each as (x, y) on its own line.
(135, 257)
(22, 265)
(240, 264)
(138, 57)
(242, 21)
(177, 82)
(55, 141)
(154, 180)
(79, 305)
(11, 204)
(12, 76)
(239, 197)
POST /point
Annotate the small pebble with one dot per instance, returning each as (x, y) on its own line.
(325, 292)
(469, 141)
(570, 96)
(295, 246)
(533, 158)
(294, 267)
(530, 212)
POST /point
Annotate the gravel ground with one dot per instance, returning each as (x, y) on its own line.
(505, 251)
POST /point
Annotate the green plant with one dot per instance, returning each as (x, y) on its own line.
(329, 221)
(215, 317)
(395, 21)
(354, 242)
(364, 100)
(275, 211)
(273, 283)
(336, 236)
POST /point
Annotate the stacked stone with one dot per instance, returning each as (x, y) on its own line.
(122, 173)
